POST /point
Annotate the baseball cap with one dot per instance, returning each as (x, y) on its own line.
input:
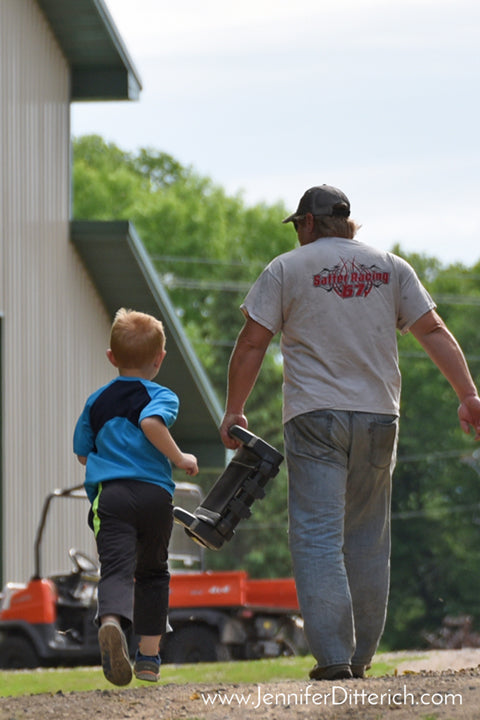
(322, 200)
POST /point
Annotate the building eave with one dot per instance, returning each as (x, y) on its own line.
(101, 68)
(124, 276)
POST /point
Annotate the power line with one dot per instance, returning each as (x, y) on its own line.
(171, 282)
(438, 455)
(464, 276)
(216, 261)
(457, 299)
(426, 514)
(433, 513)
(200, 260)
(275, 346)
(423, 356)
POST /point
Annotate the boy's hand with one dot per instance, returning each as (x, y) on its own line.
(188, 463)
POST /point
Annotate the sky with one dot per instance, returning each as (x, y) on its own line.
(268, 98)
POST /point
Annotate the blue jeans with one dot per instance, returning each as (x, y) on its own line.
(340, 466)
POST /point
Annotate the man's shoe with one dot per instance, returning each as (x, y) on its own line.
(114, 651)
(331, 672)
(147, 667)
(358, 671)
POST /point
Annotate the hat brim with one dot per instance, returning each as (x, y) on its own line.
(290, 218)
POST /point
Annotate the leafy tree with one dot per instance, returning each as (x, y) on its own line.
(436, 496)
(208, 248)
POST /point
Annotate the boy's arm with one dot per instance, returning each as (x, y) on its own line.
(83, 438)
(157, 432)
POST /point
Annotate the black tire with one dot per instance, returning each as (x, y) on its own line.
(293, 641)
(83, 563)
(191, 644)
(17, 652)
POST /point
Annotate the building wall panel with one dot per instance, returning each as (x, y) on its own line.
(55, 329)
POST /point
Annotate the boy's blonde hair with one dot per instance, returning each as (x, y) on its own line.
(136, 338)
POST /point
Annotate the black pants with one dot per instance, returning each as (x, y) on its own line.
(133, 521)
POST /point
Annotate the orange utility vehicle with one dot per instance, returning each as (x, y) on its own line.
(49, 621)
(229, 616)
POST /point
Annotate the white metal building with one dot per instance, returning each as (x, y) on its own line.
(61, 282)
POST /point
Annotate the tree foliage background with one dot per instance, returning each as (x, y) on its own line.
(208, 247)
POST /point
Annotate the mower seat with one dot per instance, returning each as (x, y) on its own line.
(241, 483)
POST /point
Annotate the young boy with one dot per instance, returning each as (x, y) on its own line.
(123, 439)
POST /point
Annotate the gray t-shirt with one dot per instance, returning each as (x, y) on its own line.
(338, 304)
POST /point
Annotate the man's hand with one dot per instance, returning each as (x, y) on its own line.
(469, 415)
(230, 419)
(434, 336)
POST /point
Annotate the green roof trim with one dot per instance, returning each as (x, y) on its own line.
(100, 64)
(124, 276)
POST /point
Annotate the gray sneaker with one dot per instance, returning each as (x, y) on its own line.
(114, 651)
(147, 667)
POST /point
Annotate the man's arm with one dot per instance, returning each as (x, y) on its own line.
(245, 363)
(441, 346)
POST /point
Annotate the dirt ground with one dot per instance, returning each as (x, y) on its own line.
(435, 685)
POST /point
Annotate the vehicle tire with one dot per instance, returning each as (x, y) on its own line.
(83, 563)
(293, 641)
(17, 652)
(192, 644)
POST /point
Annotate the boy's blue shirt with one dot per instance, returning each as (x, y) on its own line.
(109, 435)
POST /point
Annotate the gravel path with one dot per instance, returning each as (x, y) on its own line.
(434, 685)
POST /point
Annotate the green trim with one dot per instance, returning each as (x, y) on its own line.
(124, 275)
(96, 519)
(2, 543)
(101, 68)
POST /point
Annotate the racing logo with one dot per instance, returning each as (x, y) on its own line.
(349, 279)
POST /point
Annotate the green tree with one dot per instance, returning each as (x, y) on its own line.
(208, 248)
(436, 495)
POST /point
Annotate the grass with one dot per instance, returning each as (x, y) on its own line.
(28, 682)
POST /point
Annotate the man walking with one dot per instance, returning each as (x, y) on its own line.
(338, 304)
